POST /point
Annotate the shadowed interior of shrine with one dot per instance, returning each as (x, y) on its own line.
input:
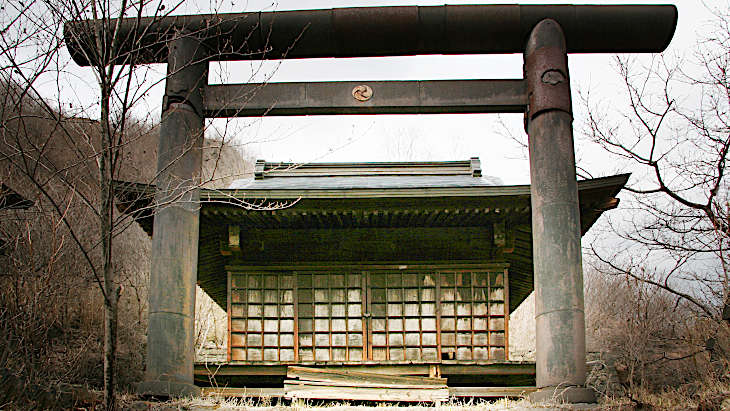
(383, 273)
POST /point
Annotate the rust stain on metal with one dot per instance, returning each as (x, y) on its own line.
(553, 77)
(548, 83)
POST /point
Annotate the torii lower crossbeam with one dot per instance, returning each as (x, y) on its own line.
(386, 97)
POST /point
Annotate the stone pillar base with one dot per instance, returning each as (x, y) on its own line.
(167, 389)
(570, 395)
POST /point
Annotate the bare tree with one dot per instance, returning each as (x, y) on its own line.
(69, 161)
(643, 334)
(673, 133)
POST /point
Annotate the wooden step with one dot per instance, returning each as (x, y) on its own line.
(313, 383)
(349, 376)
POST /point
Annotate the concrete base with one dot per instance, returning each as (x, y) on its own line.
(570, 395)
(167, 389)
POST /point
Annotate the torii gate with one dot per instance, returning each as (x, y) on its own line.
(545, 34)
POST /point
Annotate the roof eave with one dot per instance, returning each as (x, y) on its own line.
(489, 191)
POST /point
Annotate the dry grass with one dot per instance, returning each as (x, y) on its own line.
(220, 403)
(710, 396)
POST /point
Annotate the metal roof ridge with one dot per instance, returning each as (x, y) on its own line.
(264, 169)
(371, 163)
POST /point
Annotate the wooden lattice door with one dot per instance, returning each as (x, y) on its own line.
(262, 317)
(403, 321)
(473, 315)
(296, 316)
(355, 315)
(330, 316)
(436, 315)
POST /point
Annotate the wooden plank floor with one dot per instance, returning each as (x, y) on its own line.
(332, 384)
(459, 392)
(358, 377)
(490, 391)
(463, 368)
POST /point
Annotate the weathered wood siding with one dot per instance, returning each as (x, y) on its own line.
(373, 244)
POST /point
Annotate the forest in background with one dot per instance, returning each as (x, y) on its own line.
(51, 316)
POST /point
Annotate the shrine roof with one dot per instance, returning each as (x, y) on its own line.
(279, 179)
(365, 196)
(364, 182)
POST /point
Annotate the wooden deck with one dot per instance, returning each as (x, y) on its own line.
(454, 392)
(465, 379)
(383, 367)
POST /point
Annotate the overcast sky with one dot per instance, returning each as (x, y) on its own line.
(421, 137)
(412, 137)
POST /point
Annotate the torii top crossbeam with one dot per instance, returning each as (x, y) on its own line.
(389, 31)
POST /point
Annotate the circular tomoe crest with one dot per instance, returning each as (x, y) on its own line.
(362, 92)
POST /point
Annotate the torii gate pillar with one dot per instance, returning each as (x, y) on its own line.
(559, 316)
(170, 336)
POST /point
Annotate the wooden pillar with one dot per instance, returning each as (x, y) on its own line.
(561, 365)
(170, 337)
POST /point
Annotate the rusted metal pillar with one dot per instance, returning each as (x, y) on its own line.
(170, 337)
(560, 342)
